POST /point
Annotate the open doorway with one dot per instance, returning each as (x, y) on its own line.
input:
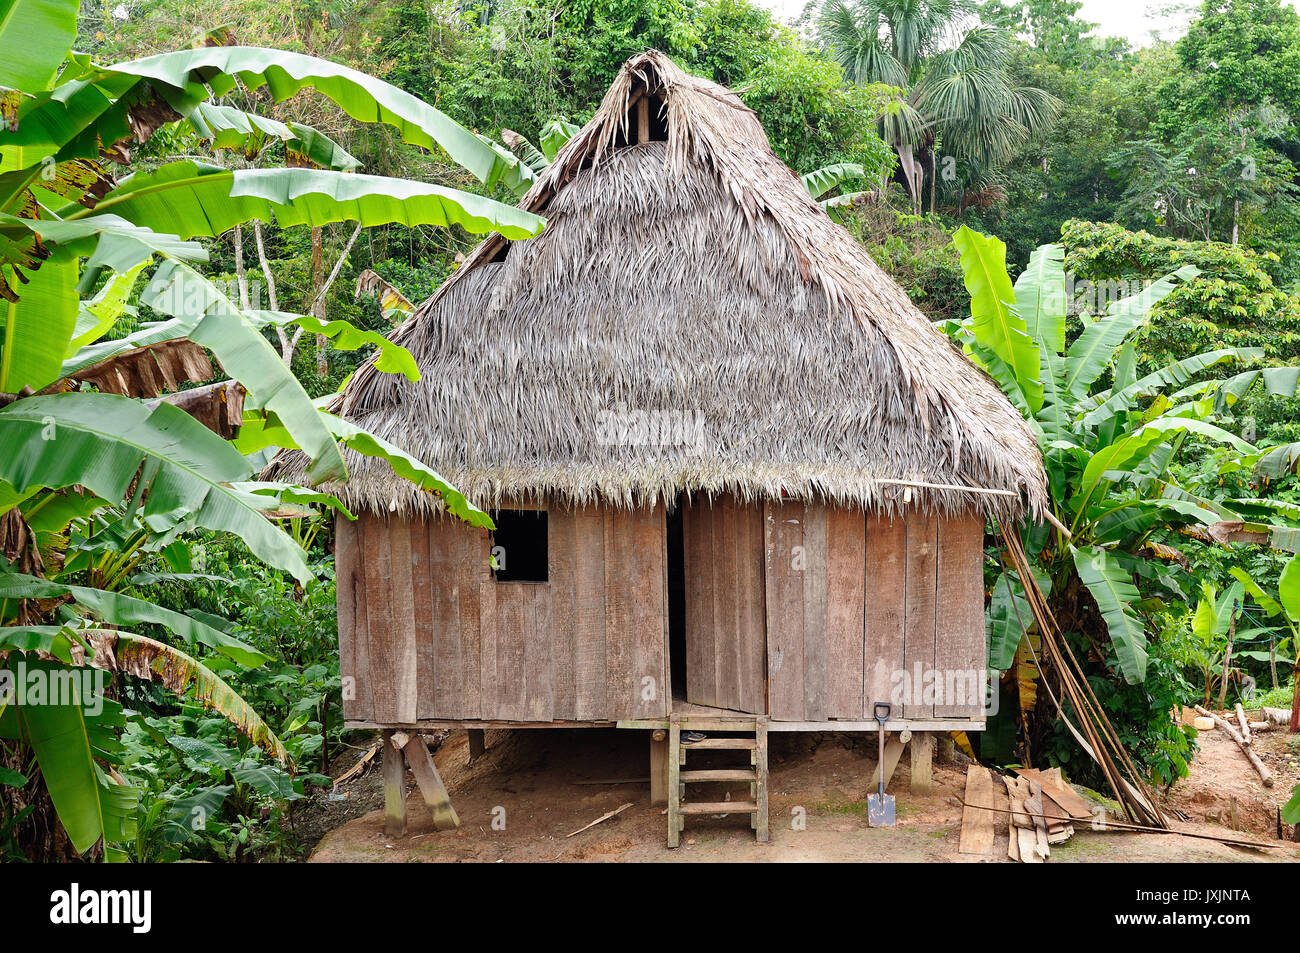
(676, 602)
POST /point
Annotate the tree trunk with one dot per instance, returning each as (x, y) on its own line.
(933, 178)
(1227, 659)
(240, 276)
(1295, 698)
(317, 279)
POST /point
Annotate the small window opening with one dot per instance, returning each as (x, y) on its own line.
(519, 546)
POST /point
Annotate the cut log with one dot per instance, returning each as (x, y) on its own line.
(1243, 724)
(1265, 775)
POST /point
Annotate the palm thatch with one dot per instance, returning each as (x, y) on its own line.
(685, 278)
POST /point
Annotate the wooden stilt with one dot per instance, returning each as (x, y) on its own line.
(431, 786)
(477, 745)
(922, 759)
(659, 767)
(674, 780)
(394, 788)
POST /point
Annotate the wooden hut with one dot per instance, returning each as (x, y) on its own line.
(740, 482)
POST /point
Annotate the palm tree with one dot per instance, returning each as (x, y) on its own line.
(952, 75)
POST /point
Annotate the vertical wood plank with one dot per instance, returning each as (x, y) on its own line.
(426, 581)
(649, 658)
(846, 540)
(918, 648)
(539, 660)
(514, 617)
(384, 665)
(401, 590)
(782, 532)
(487, 611)
(697, 542)
(589, 610)
(753, 627)
(885, 608)
(726, 617)
(563, 554)
(450, 545)
(960, 648)
(352, 620)
(816, 670)
(473, 575)
(394, 787)
(619, 559)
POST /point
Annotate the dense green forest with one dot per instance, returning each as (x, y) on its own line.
(1156, 185)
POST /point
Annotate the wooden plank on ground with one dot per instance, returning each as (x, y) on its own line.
(846, 541)
(1064, 795)
(920, 626)
(885, 610)
(960, 647)
(977, 824)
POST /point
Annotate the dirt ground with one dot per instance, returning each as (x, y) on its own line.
(535, 786)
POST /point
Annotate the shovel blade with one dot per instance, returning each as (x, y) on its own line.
(880, 810)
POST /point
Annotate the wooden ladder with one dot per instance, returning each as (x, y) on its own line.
(756, 773)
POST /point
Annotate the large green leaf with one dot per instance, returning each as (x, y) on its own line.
(225, 127)
(1092, 352)
(1041, 297)
(37, 328)
(362, 97)
(1288, 589)
(118, 609)
(35, 36)
(820, 181)
(101, 441)
(1262, 598)
(994, 320)
(1008, 616)
(211, 319)
(1103, 406)
(191, 198)
(1112, 587)
(89, 806)
(392, 358)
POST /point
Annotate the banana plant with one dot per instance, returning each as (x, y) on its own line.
(88, 480)
(1286, 607)
(1107, 445)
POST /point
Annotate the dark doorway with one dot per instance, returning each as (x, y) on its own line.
(676, 601)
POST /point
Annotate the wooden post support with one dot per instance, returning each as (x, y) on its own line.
(922, 758)
(394, 788)
(674, 779)
(643, 119)
(431, 786)
(659, 767)
(477, 745)
(761, 832)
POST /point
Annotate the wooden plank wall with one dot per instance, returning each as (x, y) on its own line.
(723, 571)
(425, 631)
(855, 601)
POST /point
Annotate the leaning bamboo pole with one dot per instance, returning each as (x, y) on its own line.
(1098, 735)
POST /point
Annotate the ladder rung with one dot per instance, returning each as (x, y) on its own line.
(725, 744)
(720, 774)
(720, 807)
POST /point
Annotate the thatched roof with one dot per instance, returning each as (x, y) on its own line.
(687, 279)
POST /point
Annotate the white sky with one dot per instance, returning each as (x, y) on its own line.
(1133, 19)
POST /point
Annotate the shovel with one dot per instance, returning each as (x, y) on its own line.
(880, 806)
